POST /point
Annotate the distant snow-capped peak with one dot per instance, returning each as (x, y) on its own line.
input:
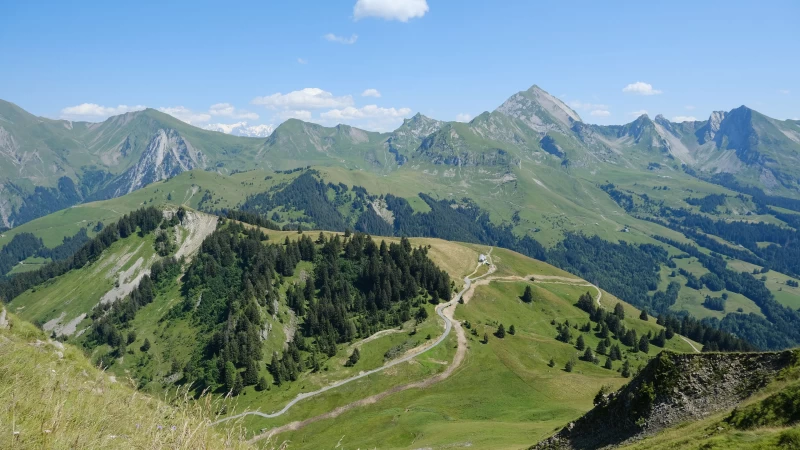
(241, 129)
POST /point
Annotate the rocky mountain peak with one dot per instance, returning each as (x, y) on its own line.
(539, 110)
(420, 126)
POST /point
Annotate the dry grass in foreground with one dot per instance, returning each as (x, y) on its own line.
(52, 397)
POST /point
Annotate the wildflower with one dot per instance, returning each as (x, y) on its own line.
(47, 431)
(160, 427)
(174, 427)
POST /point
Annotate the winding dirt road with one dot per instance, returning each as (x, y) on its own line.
(446, 311)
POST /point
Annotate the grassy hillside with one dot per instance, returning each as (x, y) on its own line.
(53, 397)
(502, 394)
(566, 202)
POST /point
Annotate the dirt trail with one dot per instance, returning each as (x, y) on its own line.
(690, 343)
(446, 311)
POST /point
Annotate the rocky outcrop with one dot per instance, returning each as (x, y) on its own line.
(671, 389)
(167, 155)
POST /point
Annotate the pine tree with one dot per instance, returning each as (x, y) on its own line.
(145, 346)
(564, 335)
(619, 311)
(626, 369)
(643, 315)
(661, 339)
(131, 337)
(644, 344)
(569, 366)
(615, 353)
(580, 344)
(601, 347)
(552, 363)
(238, 385)
(354, 357)
(230, 376)
(421, 315)
(262, 384)
(501, 331)
(250, 373)
(608, 365)
(588, 355)
(511, 330)
(485, 338)
(527, 296)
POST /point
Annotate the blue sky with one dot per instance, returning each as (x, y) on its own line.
(260, 62)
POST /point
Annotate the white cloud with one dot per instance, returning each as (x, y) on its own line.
(93, 111)
(341, 39)
(228, 110)
(241, 129)
(308, 98)
(784, 91)
(368, 111)
(638, 113)
(586, 106)
(640, 88)
(684, 119)
(186, 115)
(302, 61)
(401, 10)
(371, 93)
(463, 117)
(689, 107)
(226, 128)
(301, 114)
(600, 113)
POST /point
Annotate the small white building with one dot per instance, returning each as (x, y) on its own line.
(482, 258)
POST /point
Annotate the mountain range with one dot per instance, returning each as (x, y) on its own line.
(47, 164)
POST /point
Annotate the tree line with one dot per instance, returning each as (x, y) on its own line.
(145, 220)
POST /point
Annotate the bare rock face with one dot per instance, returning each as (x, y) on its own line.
(672, 388)
(167, 155)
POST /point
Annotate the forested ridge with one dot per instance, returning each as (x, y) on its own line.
(628, 271)
(358, 287)
(145, 220)
(25, 245)
(782, 327)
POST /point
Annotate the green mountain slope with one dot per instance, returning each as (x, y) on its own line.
(72, 162)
